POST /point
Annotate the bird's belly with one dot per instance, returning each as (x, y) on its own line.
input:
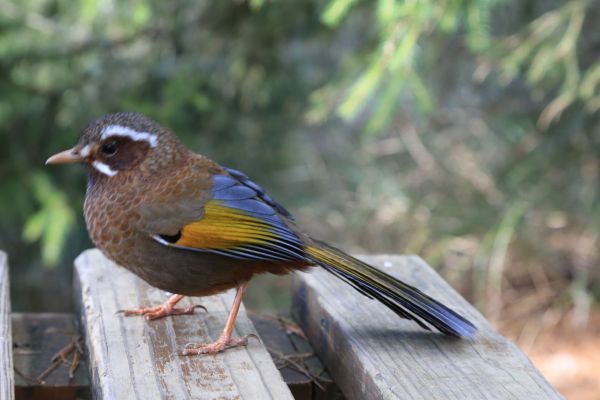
(179, 271)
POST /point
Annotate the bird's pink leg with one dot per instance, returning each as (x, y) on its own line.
(168, 308)
(224, 341)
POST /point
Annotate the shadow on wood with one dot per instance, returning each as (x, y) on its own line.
(297, 362)
(36, 339)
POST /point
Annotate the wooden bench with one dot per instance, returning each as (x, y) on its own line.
(370, 352)
(131, 358)
(373, 354)
(6, 362)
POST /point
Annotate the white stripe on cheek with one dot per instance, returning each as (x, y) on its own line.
(105, 169)
(120, 130)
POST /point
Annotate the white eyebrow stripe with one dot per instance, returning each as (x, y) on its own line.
(120, 130)
(103, 168)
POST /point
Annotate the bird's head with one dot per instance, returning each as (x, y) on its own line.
(121, 142)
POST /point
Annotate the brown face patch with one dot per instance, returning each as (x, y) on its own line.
(122, 153)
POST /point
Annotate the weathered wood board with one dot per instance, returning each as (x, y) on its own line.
(6, 361)
(36, 339)
(373, 354)
(131, 358)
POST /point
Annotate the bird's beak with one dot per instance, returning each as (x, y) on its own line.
(65, 157)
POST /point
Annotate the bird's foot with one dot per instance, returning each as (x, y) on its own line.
(160, 311)
(223, 343)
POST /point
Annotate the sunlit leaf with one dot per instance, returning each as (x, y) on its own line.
(590, 81)
(336, 11)
(387, 103)
(52, 222)
(88, 10)
(405, 51)
(386, 11)
(256, 4)
(141, 14)
(421, 94)
(362, 89)
(478, 24)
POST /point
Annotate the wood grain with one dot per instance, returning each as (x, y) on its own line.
(131, 358)
(373, 354)
(6, 361)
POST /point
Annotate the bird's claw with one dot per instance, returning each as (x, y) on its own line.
(161, 311)
(218, 346)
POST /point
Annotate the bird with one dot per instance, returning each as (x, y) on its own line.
(191, 227)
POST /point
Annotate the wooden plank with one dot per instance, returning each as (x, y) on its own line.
(37, 337)
(131, 358)
(296, 360)
(371, 353)
(6, 361)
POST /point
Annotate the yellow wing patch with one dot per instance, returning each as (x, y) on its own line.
(224, 228)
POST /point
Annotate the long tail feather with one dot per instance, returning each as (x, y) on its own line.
(405, 300)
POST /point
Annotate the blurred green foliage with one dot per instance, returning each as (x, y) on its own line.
(466, 131)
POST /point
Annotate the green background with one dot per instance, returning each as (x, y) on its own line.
(463, 131)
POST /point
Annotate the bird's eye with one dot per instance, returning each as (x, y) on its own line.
(109, 149)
